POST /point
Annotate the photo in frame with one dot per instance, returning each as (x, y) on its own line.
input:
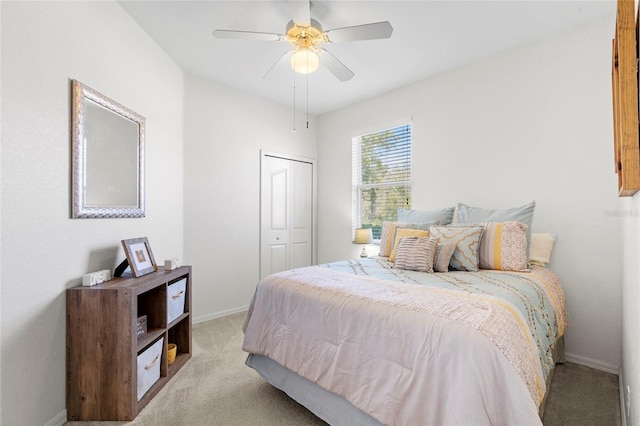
(139, 256)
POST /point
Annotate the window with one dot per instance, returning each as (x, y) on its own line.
(381, 177)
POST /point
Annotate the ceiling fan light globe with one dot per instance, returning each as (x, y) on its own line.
(304, 61)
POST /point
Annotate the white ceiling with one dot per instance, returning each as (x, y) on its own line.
(429, 37)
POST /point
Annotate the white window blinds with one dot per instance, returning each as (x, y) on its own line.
(381, 177)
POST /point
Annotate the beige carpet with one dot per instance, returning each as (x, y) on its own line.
(216, 388)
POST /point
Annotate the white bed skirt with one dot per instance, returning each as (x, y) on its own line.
(328, 406)
(333, 408)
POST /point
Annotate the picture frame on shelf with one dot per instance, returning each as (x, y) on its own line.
(139, 256)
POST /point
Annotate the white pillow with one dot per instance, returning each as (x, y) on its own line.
(541, 247)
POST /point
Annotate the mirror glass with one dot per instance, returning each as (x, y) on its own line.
(108, 157)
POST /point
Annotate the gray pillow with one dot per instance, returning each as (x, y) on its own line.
(443, 216)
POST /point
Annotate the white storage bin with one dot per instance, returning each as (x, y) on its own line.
(176, 293)
(149, 367)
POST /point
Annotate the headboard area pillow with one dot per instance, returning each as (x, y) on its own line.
(443, 216)
(467, 240)
(503, 246)
(385, 238)
(541, 247)
(524, 214)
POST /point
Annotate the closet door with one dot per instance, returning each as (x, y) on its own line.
(286, 214)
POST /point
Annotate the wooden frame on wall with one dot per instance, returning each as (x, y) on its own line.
(624, 75)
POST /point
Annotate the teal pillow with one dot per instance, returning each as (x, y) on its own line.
(443, 216)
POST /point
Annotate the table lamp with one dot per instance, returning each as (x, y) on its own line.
(363, 236)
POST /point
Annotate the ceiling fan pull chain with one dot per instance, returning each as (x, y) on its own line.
(307, 100)
(294, 102)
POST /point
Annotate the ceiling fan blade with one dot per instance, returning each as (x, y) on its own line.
(278, 63)
(336, 67)
(246, 35)
(301, 12)
(373, 31)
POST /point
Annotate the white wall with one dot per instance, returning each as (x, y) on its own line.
(225, 129)
(0, 213)
(630, 371)
(533, 123)
(536, 120)
(44, 252)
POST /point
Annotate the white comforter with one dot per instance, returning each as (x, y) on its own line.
(404, 354)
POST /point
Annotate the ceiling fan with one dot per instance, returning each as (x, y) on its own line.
(306, 36)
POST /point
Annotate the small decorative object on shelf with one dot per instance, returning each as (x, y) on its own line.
(171, 264)
(95, 278)
(141, 324)
(172, 349)
(139, 256)
(363, 236)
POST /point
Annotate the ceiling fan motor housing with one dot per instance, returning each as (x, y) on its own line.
(306, 37)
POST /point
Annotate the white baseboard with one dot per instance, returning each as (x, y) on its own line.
(58, 420)
(592, 363)
(220, 314)
(623, 403)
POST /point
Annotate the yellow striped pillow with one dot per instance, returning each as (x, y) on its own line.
(388, 234)
(503, 246)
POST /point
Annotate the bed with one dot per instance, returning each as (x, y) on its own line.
(365, 342)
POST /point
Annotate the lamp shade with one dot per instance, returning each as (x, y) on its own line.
(363, 236)
(304, 60)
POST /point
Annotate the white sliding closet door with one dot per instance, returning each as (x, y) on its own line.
(286, 214)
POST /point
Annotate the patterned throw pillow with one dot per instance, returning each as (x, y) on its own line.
(503, 246)
(467, 240)
(416, 254)
(405, 232)
(443, 256)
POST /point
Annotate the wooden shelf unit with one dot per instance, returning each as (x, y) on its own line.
(103, 345)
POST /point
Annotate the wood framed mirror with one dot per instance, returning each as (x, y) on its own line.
(108, 157)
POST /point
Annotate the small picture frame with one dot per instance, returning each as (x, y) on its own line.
(139, 256)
